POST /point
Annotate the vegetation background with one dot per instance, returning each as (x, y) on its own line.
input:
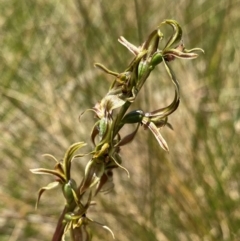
(47, 52)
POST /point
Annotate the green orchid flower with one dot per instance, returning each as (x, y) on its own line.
(158, 118)
(76, 222)
(62, 174)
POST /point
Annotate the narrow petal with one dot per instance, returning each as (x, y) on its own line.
(50, 156)
(173, 78)
(128, 138)
(132, 48)
(43, 189)
(193, 50)
(179, 54)
(117, 162)
(49, 172)
(105, 184)
(94, 110)
(69, 156)
(105, 227)
(106, 70)
(94, 132)
(152, 127)
(164, 112)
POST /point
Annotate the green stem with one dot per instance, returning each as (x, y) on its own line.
(117, 124)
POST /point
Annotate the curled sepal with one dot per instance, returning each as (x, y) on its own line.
(181, 53)
(128, 138)
(193, 50)
(105, 69)
(175, 53)
(118, 160)
(68, 157)
(105, 227)
(106, 183)
(177, 35)
(151, 45)
(173, 78)
(51, 157)
(95, 132)
(93, 172)
(101, 152)
(162, 113)
(153, 128)
(80, 116)
(81, 233)
(159, 122)
(77, 225)
(43, 189)
(120, 77)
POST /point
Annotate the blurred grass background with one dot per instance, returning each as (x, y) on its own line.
(47, 52)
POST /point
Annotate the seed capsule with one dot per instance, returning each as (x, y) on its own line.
(132, 117)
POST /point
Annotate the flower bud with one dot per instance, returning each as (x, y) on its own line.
(69, 216)
(68, 189)
(143, 67)
(93, 172)
(156, 59)
(103, 127)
